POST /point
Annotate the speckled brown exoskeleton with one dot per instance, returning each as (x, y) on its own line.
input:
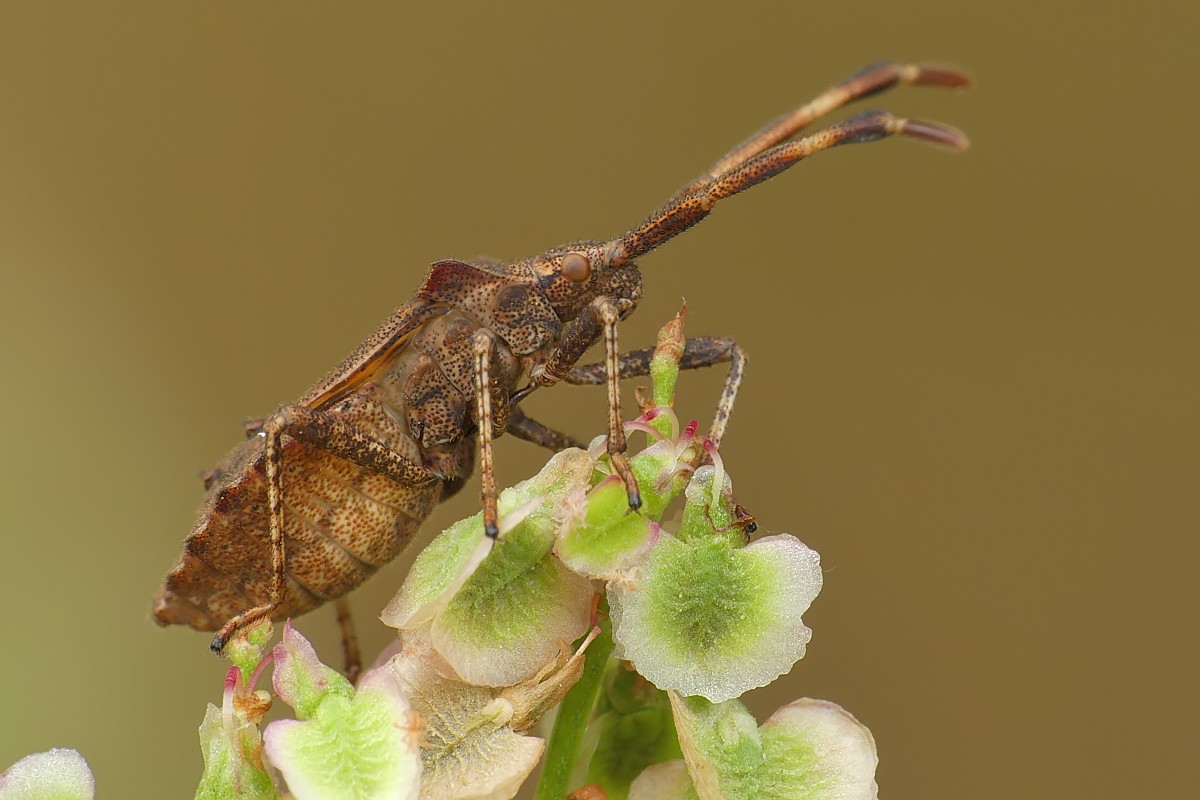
(329, 488)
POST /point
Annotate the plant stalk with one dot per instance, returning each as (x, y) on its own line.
(574, 714)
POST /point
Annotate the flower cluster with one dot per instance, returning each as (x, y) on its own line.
(640, 632)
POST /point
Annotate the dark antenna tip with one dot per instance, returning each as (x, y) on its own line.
(935, 133)
(949, 77)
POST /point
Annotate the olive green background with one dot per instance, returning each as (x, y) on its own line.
(973, 380)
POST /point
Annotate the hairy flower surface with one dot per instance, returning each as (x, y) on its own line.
(683, 614)
(57, 774)
(807, 750)
(499, 620)
(475, 740)
(361, 747)
(709, 616)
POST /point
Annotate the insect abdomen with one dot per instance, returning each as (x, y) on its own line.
(341, 521)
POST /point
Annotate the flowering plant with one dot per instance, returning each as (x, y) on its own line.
(640, 632)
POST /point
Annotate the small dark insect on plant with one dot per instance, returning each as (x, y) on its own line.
(328, 489)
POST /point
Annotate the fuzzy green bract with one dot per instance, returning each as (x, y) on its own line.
(57, 774)
(499, 620)
(609, 540)
(491, 639)
(807, 750)
(713, 618)
(816, 750)
(357, 748)
(451, 559)
(513, 614)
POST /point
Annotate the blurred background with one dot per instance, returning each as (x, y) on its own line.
(973, 380)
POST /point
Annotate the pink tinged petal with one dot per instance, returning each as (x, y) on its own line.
(300, 679)
(663, 420)
(227, 721)
(387, 653)
(685, 438)
(58, 774)
(384, 684)
(645, 427)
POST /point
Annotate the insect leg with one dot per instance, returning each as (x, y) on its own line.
(337, 437)
(483, 343)
(600, 317)
(616, 426)
(351, 655)
(733, 379)
(869, 81)
(701, 351)
(530, 430)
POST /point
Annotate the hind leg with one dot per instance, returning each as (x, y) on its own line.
(337, 437)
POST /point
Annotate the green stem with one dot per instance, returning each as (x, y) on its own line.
(573, 716)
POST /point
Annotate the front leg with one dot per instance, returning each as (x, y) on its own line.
(700, 351)
(599, 318)
(530, 430)
(337, 437)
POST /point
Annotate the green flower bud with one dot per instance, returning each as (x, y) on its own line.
(232, 747)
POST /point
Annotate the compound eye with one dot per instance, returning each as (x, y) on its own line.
(576, 268)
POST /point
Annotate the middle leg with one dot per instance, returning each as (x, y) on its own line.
(598, 319)
(700, 351)
(530, 430)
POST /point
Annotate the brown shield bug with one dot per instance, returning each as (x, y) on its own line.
(331, 487)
